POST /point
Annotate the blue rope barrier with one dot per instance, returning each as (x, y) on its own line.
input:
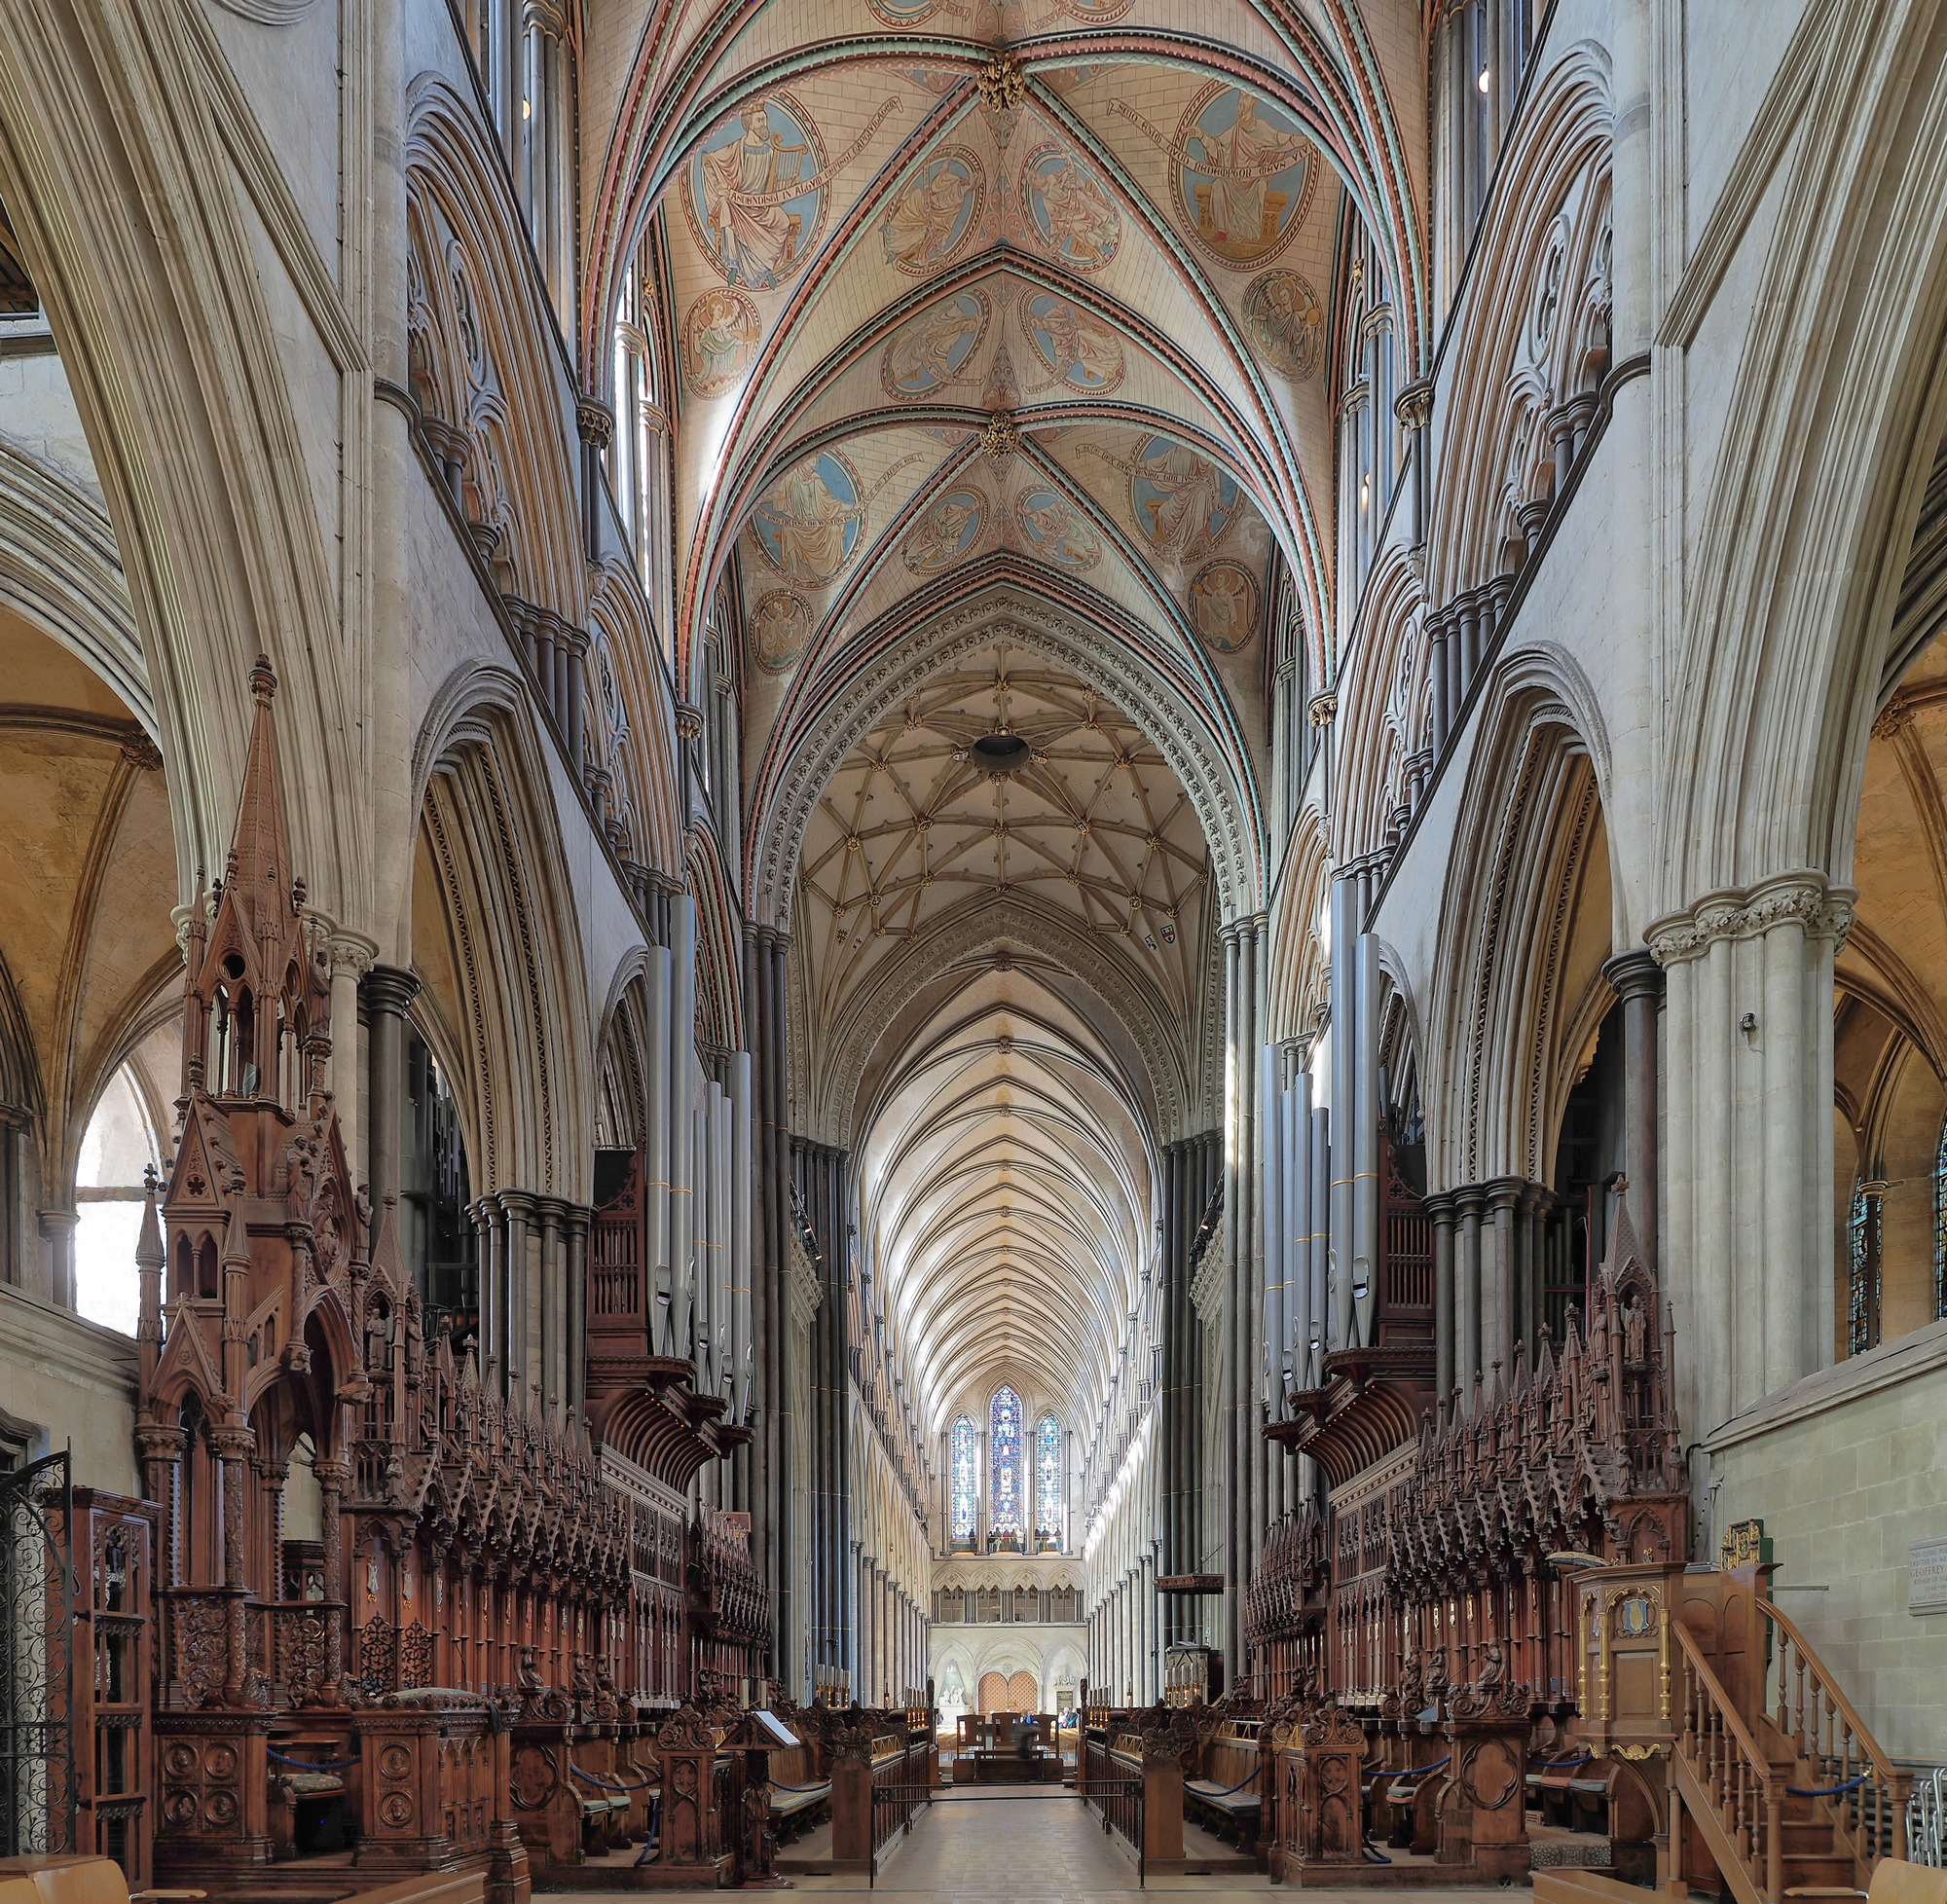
(1375, 1857)
(1828, 1791)
(1229, 1789)
(778, 1785)
(1556, 1765)
(1420, 1771)
(609, 1784)
(311, 1765)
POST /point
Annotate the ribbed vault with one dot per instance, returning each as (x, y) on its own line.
(1001, 931)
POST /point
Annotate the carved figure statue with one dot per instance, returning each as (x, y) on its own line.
(1495, 1668)
(1635, 1330)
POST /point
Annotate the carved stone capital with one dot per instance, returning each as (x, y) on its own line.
(595, 420)
(1820, 909)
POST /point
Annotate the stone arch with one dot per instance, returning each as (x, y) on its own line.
(118, 185)
(1384, 714)
(719, 965)
(60, 570)
(495, 937)
(812, 740)
(478, 350)
(1155, 1079)
(1531, 821)
(631, 723)
(1516, 371)
(1796, 578)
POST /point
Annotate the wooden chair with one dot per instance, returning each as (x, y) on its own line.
(1894, 1882)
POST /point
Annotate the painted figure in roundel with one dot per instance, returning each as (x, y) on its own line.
(810, 523)
(756, 193)
(1055, 529)
(1244, 175)
(931, 352)
(1286, 322)
(780, 630)
(719, 338)
(1068, 209)
(933, 210)
(1224, 606)
(1181, 503)
(949, 530)
(1076, 346)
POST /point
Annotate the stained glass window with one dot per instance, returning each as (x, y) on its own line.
(1863, 1310)
(1006, 1506)
(1941, 1225)
(1048, 1478)
(965, 1478)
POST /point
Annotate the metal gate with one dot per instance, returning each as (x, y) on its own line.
(37, 1595)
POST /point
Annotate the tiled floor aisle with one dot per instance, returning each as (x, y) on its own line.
(1040, 1850)
(1005, 1849)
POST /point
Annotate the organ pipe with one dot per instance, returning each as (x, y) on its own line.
(1367, 1110)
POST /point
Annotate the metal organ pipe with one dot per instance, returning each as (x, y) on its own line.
(683, 1114)
(656, 1139)
(1366, 1137)
(741, 1335)
(1344, 960)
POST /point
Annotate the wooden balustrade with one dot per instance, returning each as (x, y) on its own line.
(1837, 1753)
(1727, 1769)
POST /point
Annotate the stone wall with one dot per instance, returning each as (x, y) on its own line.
(1848, 1469)
(71, 1383)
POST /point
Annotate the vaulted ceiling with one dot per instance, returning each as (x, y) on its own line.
(963, 300)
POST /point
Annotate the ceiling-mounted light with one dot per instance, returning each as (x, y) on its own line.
(1486, 78)
(1365, 492)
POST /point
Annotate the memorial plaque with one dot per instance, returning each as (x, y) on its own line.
(1926, 1577)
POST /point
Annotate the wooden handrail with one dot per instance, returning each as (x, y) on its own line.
(1883, 1765)
(1721, 1701)
(1715, 1749)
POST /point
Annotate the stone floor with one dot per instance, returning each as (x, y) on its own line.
(1038, 1850)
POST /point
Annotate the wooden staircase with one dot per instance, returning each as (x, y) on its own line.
(1771, 1775)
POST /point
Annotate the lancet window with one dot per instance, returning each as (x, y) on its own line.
(1862, 1308)
(635, 454)
(1047, 1483)
(1941, 1225)
(1006, 1515)
(966, 1482)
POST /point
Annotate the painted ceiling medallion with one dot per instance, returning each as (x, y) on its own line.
(1242, 170)
(933, 210)
(720, 335)
(1077, 347)
(1069, 209)
(1224, 606)
(949, 530)
(781, 628)
(757, 191)
(810, 525)
(1181, 503)
(1055, 529)
(1285, 323)
(931, 352)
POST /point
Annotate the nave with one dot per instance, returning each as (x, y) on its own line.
(904, 897)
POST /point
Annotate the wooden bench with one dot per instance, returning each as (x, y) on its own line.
(1227, 1790)
(799, 1791)
(74, 1880)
